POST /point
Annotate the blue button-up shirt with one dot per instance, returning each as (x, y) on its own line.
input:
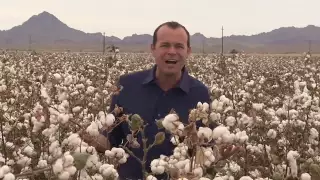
(141, 95)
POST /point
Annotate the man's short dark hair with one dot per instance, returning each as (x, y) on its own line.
(172, 25)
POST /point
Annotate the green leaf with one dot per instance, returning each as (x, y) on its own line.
(136, 122)
(277, 176)
(80, 159)
(159, 124)
(211, 172)
(292, 178)
(275, 159)
(315, 171)
(159, 138)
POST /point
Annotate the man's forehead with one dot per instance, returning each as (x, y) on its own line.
(172, 42)
(165, 31)
(172, 38)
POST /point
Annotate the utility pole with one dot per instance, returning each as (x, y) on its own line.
(104, 43)
(30, 41)
(203, 46)
(222, 41)
(309, 46)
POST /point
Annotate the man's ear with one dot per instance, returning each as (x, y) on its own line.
(189, 50)
(152, 48)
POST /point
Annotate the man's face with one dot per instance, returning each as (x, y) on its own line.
(171, 50)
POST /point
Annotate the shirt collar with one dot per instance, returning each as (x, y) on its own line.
(183, 84)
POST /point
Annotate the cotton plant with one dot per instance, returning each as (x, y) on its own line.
(53, 113)
(267, 105)
(195, 151)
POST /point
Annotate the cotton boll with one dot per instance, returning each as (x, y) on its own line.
(215, 116)
(97, 177)
(258, 106)
(71, 170)
(205, 132)
(58, 166)
(245, 178)
(68, 160)
(90, 90)
(234, 167)
(305, 176)
(205, 107)
(64, 175)
(230, 120)
(3, 88)
(198, 171)
(219, 131)
(272, 133)
(63, 118)
(179, 164)
(123, 160)
(222, 135)
(57, 76)
(42, 164)
(204, 178)
(93, 129)
(5, 169)
(207, 153)
(9, 176)
(171, 122)
(110, 119)
(108, 171)
(292, 157)
(80, 86)
(214, 104)
(160, 169)
(171, 118)
(150, 177)
(28, 150)
(76, 109)
(109, 153)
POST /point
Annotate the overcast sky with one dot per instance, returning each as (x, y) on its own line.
(125, 17)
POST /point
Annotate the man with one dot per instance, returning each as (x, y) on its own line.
(153, 93)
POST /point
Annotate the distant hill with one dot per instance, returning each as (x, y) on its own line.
(45, 31)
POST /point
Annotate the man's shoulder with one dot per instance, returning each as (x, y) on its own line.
(134, 77)
(198, 90)
(196, 84)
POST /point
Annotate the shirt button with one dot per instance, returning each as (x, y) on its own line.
(159, 115)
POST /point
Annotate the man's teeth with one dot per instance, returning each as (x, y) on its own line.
(172, 60)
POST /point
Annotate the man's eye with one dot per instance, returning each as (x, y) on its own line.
(165, 45)
(180, 46)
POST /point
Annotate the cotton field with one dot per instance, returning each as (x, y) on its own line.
(267, 107)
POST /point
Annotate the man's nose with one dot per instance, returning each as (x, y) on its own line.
(172, 50)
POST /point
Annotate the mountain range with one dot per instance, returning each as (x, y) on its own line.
(46, 32)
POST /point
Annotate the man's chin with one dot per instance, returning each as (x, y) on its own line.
(171, 72)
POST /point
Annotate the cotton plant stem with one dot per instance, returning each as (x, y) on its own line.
(33, 172)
